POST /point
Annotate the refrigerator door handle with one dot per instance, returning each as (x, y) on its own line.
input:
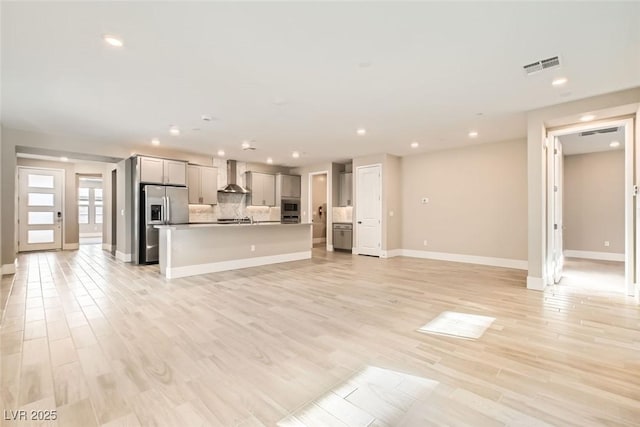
(163, 219)
(168, 210)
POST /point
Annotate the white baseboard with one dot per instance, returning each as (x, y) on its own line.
(603, 256)
(107, 247)
(8, 268)
(214, 267)
(319, 240)
(469, 259)
(70, 246)
(121, 256)
(391, 253)
(329, 248)
(535, 283)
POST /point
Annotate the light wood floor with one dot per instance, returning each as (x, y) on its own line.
(107, 343)
(594, 276)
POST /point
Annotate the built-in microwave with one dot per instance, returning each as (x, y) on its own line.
(290, 211)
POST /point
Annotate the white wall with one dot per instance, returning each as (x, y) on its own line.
(593, 208)
(477, 201)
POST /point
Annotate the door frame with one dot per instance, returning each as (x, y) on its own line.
(356, 250)
(629, 198)
(329, 190)
(62, 201)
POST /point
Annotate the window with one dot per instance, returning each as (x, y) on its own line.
(83, 214)
(98, 214)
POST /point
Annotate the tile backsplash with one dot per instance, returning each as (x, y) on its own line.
(343, 214)
(232, 206)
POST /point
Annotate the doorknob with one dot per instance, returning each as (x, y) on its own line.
(359, 222)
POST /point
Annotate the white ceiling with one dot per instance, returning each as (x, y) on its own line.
(576, 144)
(304, 76)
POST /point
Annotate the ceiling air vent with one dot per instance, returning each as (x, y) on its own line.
(543, 64)
(597, 131)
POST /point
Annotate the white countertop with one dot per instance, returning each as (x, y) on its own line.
(207, 225)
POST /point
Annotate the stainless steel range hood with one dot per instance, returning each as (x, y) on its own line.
(231, 186)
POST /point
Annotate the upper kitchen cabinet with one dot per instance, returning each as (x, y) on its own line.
(345, 195)
(287, 187)
(262, 187)
(203, 185)
(162, 171)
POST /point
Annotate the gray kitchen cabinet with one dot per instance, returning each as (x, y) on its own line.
(345, 190)
(287, 187)
(342, 236)
(175, 172)
(262, 187)
(162, 171)
(203, 185)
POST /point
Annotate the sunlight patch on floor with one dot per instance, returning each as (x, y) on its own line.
(459, 325)
(373, 396)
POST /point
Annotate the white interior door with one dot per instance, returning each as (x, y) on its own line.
(40, 209)
(558, 166)
(369, 210)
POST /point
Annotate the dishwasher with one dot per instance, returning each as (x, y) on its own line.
(342, 236)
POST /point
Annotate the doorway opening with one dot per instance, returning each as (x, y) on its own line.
(90, 209)
(590, 196)
(318, 197)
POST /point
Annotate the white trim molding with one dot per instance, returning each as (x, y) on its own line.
(70, 246)
(603, 256)
(391, 253)
(535, 283)
(121, 256)
(329, 248)
(107, 247)
(8, 268)
(319, 240)
(469, 259)
(214, 267)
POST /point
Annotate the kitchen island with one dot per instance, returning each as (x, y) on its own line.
(191, 249)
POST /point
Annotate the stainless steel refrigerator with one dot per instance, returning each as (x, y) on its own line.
(160, 204)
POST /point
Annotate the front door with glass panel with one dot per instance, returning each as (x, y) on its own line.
(40, 209)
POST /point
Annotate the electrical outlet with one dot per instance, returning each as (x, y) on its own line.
(390, 213)
(424, 243)
(606, 243)
(425, 200)
(253, 248)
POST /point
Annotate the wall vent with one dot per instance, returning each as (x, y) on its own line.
(597, 131)
(543, 64)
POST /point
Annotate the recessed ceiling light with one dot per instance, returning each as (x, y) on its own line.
(269, 160)
(614, 144)
(221, 153)
(155, 141)
(245, 145)
(64, 159)
(174, 130)
(560, 81)
(473, 134)
(587, 118)
(414, 144)
(112, 40)
(295, 154)
(206, 118)
(361, 131)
